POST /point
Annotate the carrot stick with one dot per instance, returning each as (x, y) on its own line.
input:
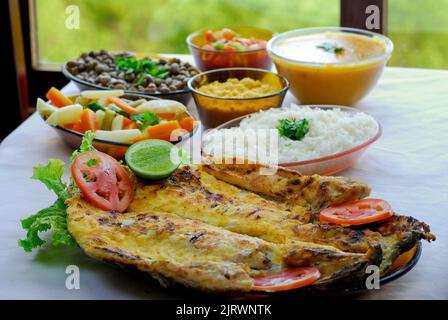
(167, 115)
(187, 124)
(162, 131)
(123, 105)
(57, 98)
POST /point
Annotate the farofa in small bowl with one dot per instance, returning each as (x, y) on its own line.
(239, 88)
(228, 95)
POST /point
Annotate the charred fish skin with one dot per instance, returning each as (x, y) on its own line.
(400, 234)
(192, 253)
(193, 193)
(289, 186)
(184, 250)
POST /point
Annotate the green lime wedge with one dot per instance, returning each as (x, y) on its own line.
(153, 159)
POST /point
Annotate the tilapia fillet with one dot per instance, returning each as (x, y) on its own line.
(193, 192)
(276, 207)
(193, 253)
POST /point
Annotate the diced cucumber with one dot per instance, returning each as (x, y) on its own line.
(118, 135)
(45, 109)
(109, 116)
(117, 123)
(66, 115)
(98, 94)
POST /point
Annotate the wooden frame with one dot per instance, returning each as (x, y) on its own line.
(364, 14)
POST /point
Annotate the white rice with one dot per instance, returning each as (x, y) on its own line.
(331, 131)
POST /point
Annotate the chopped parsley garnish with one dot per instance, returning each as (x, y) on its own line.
(95, 106)
(141, 67)
(331, 47)
(145, 120)
(114, 108)
(293, 129)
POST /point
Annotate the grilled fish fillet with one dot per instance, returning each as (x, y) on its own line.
(289, 186)
(194, 253)
(194, 193)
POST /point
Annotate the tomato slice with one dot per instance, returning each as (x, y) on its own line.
(358, 212)
(287, 280)
(102, 181)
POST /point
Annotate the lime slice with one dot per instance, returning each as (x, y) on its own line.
(153, 159)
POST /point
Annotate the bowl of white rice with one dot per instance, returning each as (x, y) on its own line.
(310, 139)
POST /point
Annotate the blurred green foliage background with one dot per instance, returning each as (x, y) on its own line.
(419, 29)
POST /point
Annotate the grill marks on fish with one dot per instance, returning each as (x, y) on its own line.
(192, 252)
(289, 186)
(177, 231)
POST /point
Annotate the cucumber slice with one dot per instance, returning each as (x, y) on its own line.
(45, 109)
(100, 114)
(117, 123)
(162, 106)
(118, 135)
(109, 116)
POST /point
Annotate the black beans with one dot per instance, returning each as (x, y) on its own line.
(99, 68)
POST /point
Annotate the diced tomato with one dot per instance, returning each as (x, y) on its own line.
(57, 98)
(102, 181)
(208, 46)
(287, 280)
(88, 121)
(208, 35)
(358, 212)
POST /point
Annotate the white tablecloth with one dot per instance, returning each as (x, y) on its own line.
(408, 166)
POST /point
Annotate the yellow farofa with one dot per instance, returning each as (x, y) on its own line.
(235, 88)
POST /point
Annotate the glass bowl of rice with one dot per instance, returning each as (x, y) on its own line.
(337, 136)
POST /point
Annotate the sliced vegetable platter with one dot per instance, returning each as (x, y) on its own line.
(116, 118)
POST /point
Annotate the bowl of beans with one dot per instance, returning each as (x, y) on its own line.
(151, 75)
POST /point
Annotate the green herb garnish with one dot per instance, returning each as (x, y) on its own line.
(142, 66)
(114, 108)
(293, 129)
(55, 216)
(331, 47)
(145, 120)
(95, 106)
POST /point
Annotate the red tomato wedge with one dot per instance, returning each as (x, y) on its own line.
(358, 212)
(287, 280)
(102, 181)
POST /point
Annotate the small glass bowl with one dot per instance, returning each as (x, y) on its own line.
(327, 165)
(214, 59)
(115, 149)
(338, 83)
(214, 110)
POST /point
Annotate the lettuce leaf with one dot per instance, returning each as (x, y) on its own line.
(55, 216)
(86, 145)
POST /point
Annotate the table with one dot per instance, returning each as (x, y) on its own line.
(408, 166)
